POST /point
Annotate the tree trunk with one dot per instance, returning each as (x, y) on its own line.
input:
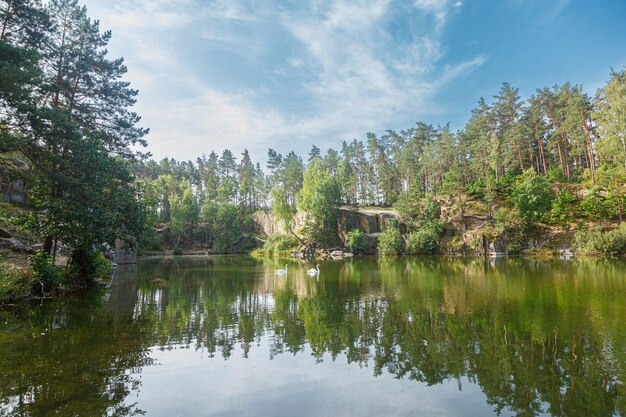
(6, 19)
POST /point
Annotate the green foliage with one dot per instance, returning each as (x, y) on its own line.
(610, 115)
(177, 216)
(281, 208)
(604, 205)
(597, 206)
(390, 242)
(408, 204)
(531, 196)
(555, 175)
(85, 265)
(418, 213)
(280, 244)
(319, 198)
(356, 241)
(477, 189)
(149, 240)
(595, 241)
(509, 180)
(46, 272)
(177, 250)
(563, 206)
(510, 229)
(452, 183)
(424, 241)
(15, 283)
(226, 229)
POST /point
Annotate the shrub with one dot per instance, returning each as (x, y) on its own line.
(531, 196)
(596, 206)
(593, 206)
(424, 241)
(415, 211)
(356, 241)
(508, 181)
(390, 242)
(477, 189)
(44, 269)
(594, 241)
(85, 265)
(278, 243)
(226, 229)
(15, 283)
(510, 228)
(562, 206)
(177, 250)
(555, 174)
(149, 240)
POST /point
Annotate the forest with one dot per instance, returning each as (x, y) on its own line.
(73, 174)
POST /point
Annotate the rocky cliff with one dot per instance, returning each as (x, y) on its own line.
(467, 230)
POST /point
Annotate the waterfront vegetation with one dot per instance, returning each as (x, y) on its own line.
(69, 140)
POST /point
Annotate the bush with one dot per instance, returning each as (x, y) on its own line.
(424, 241)
(86, 265)
(177, 250)
(226, 229)
(531, 196)
(390, 242)
(44, 269)
(278, 243)
(508, 181)
(594, 241)
(562, 206)
(555, 174)
(477, 189)
(510, 228)
(356, 241)
(149, 240)
(15, 283)
(595, 206)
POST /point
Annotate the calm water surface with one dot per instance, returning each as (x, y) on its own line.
(225, 336)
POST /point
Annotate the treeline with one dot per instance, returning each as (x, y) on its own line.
(66, 131)
(562, 134)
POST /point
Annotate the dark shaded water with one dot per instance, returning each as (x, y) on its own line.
(225, 336)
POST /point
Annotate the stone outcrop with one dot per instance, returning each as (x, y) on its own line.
(370, 222)
(5, 233)
(467, 230)
(123, 255)
(15, 245)
(266, 223)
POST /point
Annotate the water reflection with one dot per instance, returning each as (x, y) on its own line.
(536, 337)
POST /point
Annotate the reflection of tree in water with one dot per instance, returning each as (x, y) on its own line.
(60, 359)
(535, 336)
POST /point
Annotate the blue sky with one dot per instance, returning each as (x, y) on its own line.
(215, 74)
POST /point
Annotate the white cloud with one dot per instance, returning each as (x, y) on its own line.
(359, 77)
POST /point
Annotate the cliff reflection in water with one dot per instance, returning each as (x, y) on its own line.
(536, 337)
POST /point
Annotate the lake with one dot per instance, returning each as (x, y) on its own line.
(226, 336)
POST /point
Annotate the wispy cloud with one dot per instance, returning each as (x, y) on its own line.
(339, 61)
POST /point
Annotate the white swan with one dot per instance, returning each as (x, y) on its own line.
(281, 271)
(314, 272)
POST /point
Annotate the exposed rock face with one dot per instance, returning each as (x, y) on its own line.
(370, 222)
(266, 223)
(122, 254)
(15, 245)
(467, 230)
